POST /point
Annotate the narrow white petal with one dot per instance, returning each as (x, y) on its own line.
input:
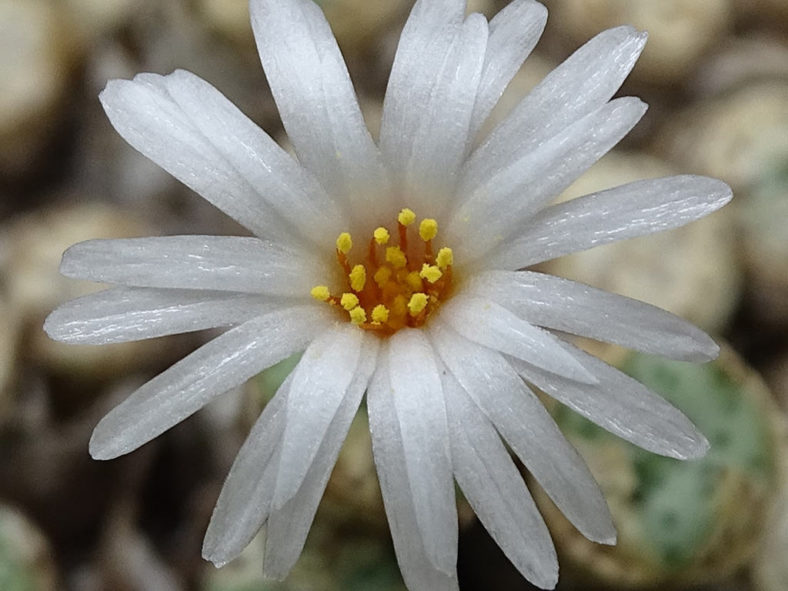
(245, 501)
(572, 307)
(287, 529)
(423, 48)
(438, 140)
(624, 407)
(213, 369)
(223, 263)
(530, 431)
(485, 322)
(501, 204)
(496, 491)
(130, 314)
(316, 100)
(211, 147)
(421, 411)
(417, 569)
(578, 87)
(320, 381)
(631, 210)
(514, 32)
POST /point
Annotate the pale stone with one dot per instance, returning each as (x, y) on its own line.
(680, 31)
(37, 46)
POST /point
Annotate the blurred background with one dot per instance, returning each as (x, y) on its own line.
(715, 73)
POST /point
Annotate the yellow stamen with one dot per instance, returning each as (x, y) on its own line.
(320, 293)
(413, 280)
(428, 229)
(396, 257)
(445, 258)
(358, 278)
(358, 315)
(382, 275)
(344, 243)
(349, 301)
(381, 236)
(417, 303)
(430, 272)
(380, 313)
(406, 217)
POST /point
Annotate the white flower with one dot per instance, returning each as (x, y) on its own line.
(432, 320)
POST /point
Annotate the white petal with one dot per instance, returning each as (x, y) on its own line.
(287, 528)
(631, 210)
(500, 205)
(213, 369)
(312, 89)
(131, 314)
(530, 431)
(417, 569)
(320, 381)
(223, 263)
(576, 88)
(204, 141)
(423, 49)
(245, 501)
(579, 309)
(624, 407)
(514, 32)
(421, 411)
(496, 491)
(438, 138)
(488, 324)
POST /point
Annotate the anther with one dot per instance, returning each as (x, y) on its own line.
(430, 272)
(344, 243)
(358, 315)
(349, 301)
(428, 229)
(358, 278)
(396, 257)
(445, 258)
(406, 217)
(381, 236)
(320, 293)
(417, 303)
(380, 313)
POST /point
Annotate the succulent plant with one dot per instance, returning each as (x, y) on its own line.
(682, 522)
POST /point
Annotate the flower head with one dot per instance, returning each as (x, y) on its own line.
(394, 268)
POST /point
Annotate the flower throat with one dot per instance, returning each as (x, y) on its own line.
(394, 286)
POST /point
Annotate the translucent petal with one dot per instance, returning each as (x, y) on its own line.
(213, 369)
(316, 100)
(423, 48)
(496, 491)
(579, 309)
(624, 407)
(320, 381)
(417, 569)
(438, 139)
(514, 32)
(223, 263)
(130, 314)
(485, 322)
(631, 210)
(576, 88)
(530, 431)
(421, 411)
(287, 528)
(245, 501)
(499, 207)
(208, 144)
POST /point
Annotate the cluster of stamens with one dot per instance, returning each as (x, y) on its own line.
(396, 285)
